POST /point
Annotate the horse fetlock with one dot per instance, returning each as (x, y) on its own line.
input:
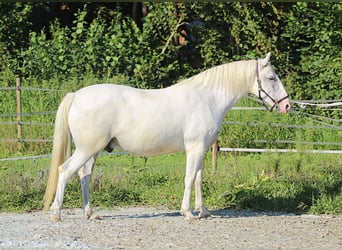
(87, 210)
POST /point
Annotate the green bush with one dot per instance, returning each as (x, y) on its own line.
(101, 49)
(304, 38)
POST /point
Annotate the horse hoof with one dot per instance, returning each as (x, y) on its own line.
(189, 219)
(94, 217)
(54, 218)
(204, 216)
(188, 216)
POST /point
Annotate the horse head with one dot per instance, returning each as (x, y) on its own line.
(269, 88)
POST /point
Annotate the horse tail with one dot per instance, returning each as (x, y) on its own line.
(61, 149)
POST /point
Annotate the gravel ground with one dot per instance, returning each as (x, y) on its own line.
(152, 228)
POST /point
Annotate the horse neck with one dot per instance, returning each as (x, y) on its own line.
(224, 85)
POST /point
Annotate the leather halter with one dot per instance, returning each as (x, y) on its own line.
(261, 90)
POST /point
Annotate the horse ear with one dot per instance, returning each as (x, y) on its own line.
(266, 60)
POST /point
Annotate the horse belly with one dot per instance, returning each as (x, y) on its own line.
(148, 144)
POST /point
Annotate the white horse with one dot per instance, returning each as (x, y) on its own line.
(184, 117)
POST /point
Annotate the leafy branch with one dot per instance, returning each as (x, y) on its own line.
(179, 24)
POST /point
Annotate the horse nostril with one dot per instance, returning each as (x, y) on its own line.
(287, 107)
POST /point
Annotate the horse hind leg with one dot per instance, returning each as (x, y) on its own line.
(85, 177)
(68, 169)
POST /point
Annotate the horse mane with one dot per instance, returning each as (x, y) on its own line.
(232, 78)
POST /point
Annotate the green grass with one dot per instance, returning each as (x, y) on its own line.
(268, 182)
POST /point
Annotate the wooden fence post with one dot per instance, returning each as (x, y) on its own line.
(214, 156)
(18, 91)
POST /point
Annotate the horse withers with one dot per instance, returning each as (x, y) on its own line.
(184, 117)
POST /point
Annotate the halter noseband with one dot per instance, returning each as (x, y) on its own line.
(260, 89)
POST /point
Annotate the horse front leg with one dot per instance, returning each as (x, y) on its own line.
(194, 162)
(85, 178)
(199, 205)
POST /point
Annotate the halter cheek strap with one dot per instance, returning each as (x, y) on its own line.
(261, 90)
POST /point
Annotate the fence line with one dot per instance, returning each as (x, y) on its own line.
(28, 123)
(324, 118)
(36, 140)
(42, 89)
(326, 104)
(246, 150)
(224, 122)
(33, 157)
(279, 125)
(299, 142)
(8, 88)
(26, 140)
(29, 113)
(263, 150)
(329, 125)
(319, 103)
(31, 88)
(38, 123)
(25, 157)
(255, 141)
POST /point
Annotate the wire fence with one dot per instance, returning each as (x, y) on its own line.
(31, 88)
(323, 123)
(33, 157)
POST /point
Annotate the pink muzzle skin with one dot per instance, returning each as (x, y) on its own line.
(284, 106)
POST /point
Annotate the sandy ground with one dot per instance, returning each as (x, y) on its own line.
(151, 228)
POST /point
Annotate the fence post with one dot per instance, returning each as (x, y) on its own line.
(18, 92)
(214, 156)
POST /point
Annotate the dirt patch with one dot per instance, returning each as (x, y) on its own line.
(151, 228)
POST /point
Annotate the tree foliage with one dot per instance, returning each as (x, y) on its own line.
(104, 40)
(314, 40)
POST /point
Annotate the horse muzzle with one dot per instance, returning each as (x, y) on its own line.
(284, 106)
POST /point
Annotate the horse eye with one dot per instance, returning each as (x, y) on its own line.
(271, 78)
